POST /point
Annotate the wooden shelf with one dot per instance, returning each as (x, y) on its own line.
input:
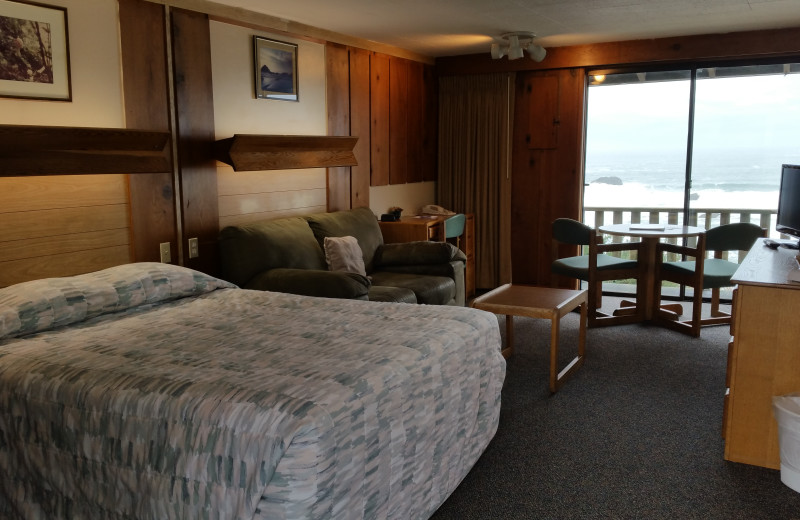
(284, 152)
(53, 150)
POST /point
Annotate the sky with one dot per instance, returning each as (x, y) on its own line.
(731, 113)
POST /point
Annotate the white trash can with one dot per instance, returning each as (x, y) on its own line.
(787, 412)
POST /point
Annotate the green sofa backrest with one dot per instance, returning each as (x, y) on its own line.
(359, 223)
(253, 248)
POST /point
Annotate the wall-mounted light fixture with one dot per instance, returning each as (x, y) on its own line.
(513, 43)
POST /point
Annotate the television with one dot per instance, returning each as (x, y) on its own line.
(788, 219)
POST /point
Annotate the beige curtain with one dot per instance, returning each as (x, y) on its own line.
(474, 165)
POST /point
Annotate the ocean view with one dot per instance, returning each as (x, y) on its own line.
(735, 180)
(740, 180)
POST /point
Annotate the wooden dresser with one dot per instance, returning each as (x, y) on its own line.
(764, 354)
(411, 229)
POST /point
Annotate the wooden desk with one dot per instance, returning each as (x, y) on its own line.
(539, 302)
(764, 356)
(411, 229)
(650, 239)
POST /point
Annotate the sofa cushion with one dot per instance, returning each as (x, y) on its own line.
(384, 293)
(253, 248)
(312, 282)
(359, 223)
(344, 254)
(430, 290)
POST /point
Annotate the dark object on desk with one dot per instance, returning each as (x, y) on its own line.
(775, 244)
(390, 217)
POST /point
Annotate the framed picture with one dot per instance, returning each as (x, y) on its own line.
(275, 69)
(34, 51)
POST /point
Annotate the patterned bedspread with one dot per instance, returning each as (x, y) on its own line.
(217, 402)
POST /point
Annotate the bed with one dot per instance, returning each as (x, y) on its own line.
(153, 391)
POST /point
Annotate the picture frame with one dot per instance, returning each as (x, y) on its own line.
(275, 69)
(34, 51)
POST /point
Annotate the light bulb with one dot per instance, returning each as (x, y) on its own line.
(536, 52)
(514, 50)
(497, 51)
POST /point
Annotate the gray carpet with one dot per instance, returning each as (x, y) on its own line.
(634, 434)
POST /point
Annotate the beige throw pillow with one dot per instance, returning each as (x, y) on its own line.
(344, 254)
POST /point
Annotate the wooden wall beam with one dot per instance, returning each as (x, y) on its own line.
(704, 48)
(194, 109)
(337, 85)
(284, 152)
(143, 43)
(55, 150)
(360, 126)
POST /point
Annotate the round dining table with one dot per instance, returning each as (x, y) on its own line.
(651, 234)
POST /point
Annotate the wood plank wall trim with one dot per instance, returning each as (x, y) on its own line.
(53, 150)
(143, 47)
(194, 109)
(703, 48)
(261, 21)
(248, 152)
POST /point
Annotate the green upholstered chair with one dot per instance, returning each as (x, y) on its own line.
(597, 267)
(705, 273)
(454, 228)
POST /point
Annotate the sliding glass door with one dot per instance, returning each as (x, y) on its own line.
(746, 125)
(702, 146)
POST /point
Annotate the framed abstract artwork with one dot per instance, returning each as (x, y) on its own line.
(34, 51)
(275, 69)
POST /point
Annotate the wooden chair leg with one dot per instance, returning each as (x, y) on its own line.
(697, 309)
(715, 312)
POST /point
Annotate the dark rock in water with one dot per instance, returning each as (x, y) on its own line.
(614, 181)
(694, 196)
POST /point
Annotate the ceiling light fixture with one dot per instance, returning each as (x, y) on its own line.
(513, 43)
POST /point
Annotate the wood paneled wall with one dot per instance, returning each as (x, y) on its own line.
(390, 104)
(251, 196)
(547, 176)
(360, 126)
(62, 225)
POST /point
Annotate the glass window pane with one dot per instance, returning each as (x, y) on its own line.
(746, 127)
(636, 135)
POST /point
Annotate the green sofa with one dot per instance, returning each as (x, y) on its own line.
(287, 255)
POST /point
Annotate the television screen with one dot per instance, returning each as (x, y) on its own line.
(788, 220)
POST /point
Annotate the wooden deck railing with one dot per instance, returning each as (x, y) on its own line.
(703, 217)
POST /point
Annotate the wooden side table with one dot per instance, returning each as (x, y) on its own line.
(544, 303)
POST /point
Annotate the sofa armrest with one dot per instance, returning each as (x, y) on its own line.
(312, 282)
(416, 253)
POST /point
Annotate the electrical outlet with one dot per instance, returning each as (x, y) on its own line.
(163, 248)
(194, 248)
